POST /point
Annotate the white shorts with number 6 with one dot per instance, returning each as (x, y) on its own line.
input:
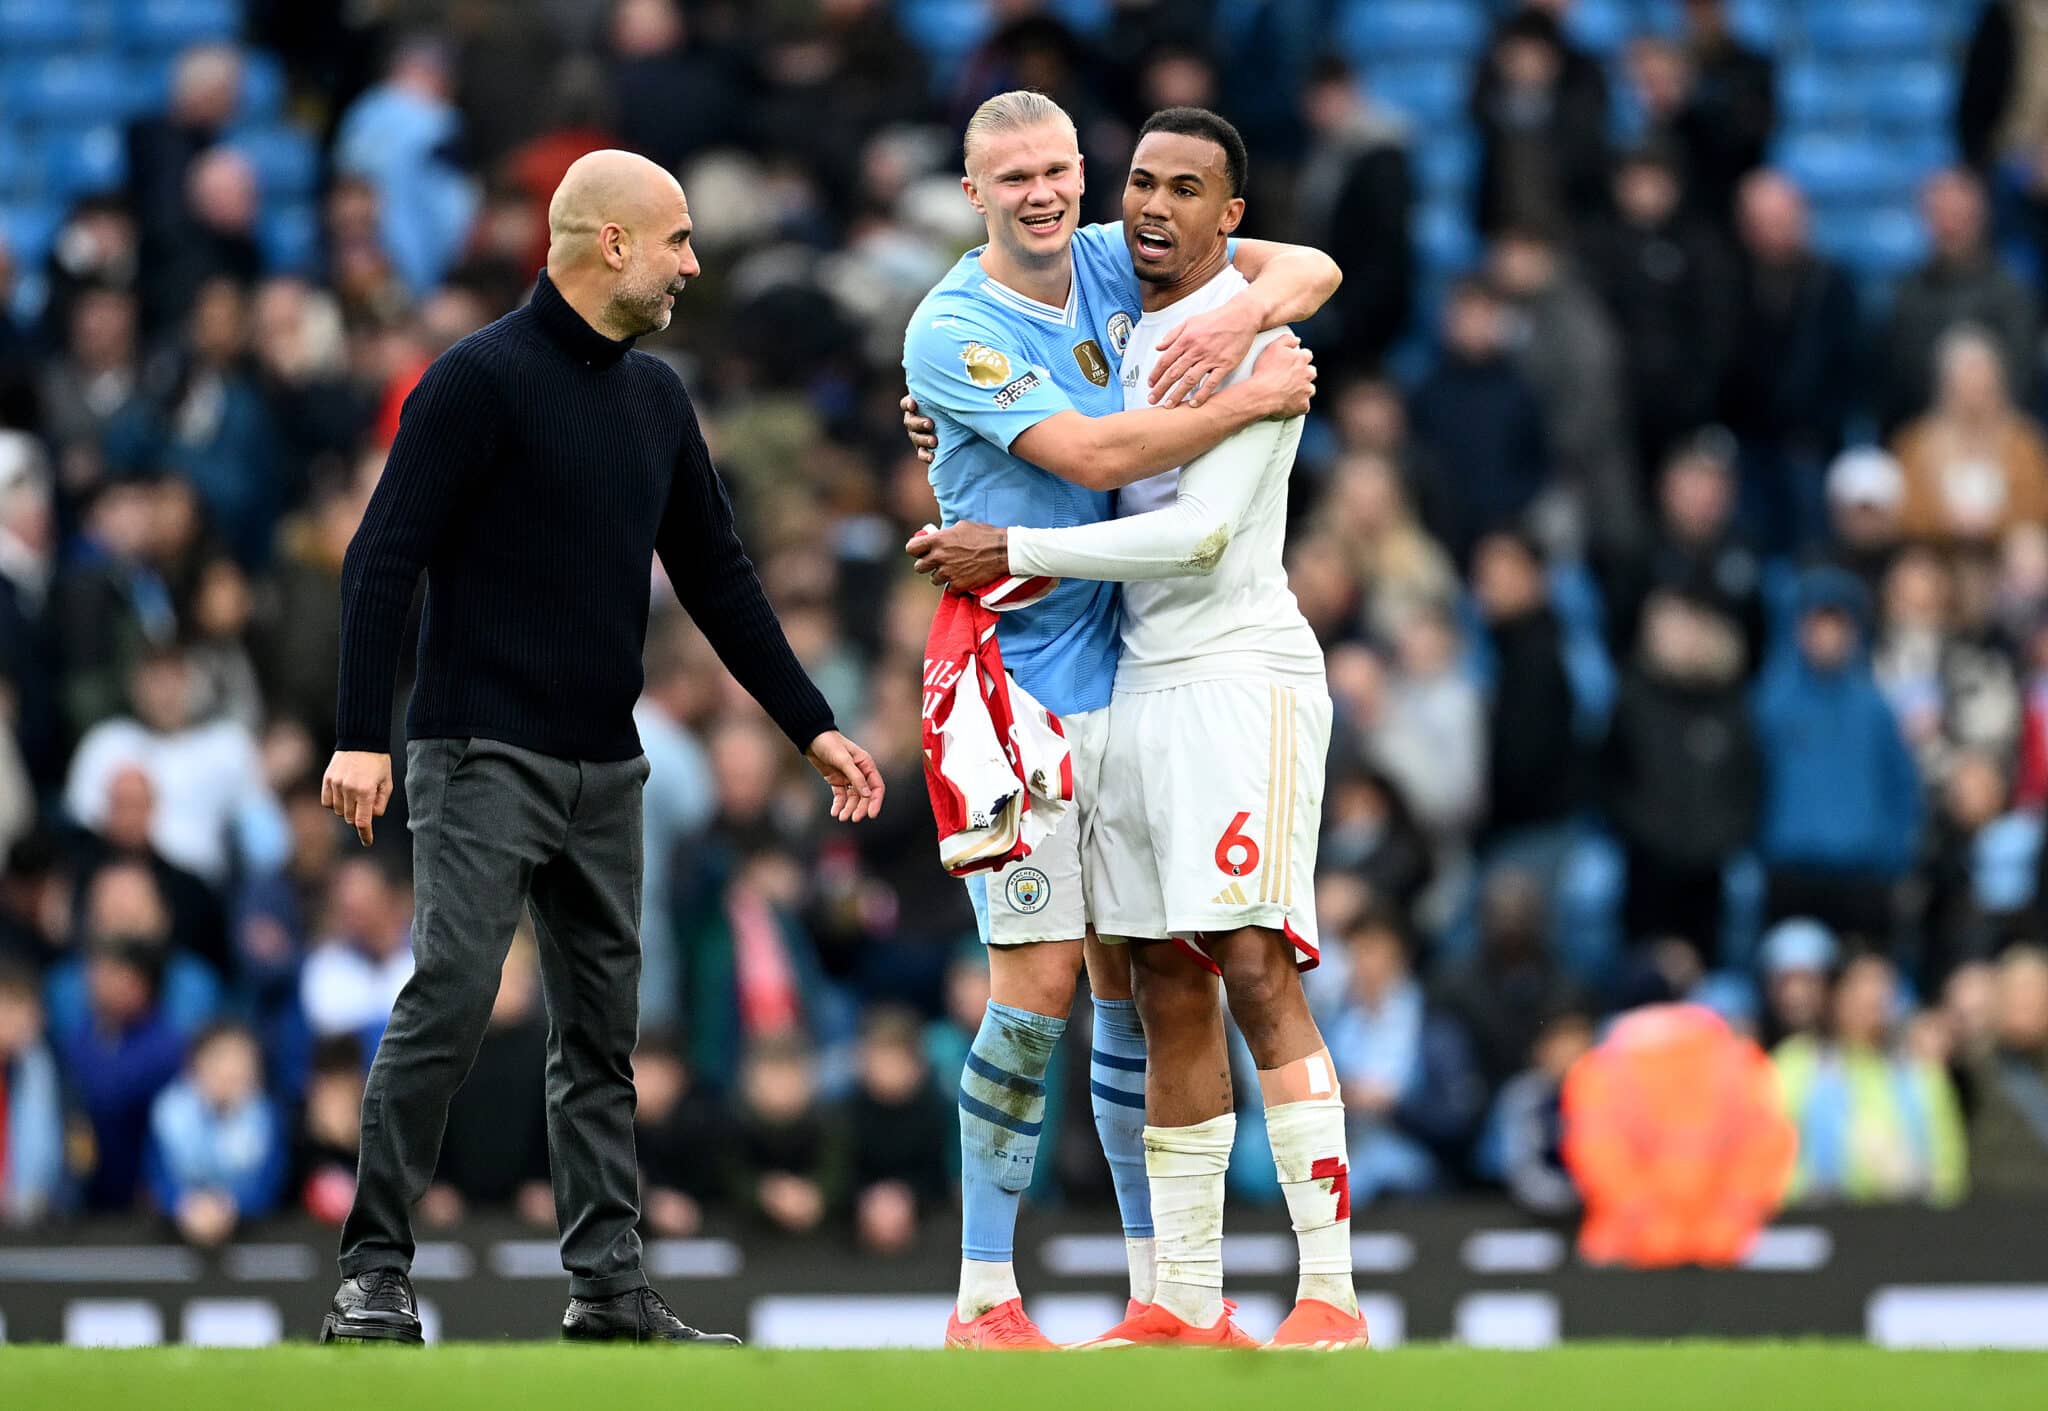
(1207, 810)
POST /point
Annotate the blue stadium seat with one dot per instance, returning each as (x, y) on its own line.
(68, 89)
(1444, 164)
(263, 88)
(290, 238)
(28, 229)
(174, 24)
(1370, 31)
(1882, 244)
(1602, 26)
(1444, 236)
(1844, 169)
(1814, 95)
(1429, 94)
(287, 161)
(1082, 16)
(82, 161)
(1872, 29)
(37, 25)
(20, 173)
(1916, 96)
(944, 29)
(1758, 23)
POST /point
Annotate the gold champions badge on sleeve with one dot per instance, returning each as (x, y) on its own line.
(985, 366)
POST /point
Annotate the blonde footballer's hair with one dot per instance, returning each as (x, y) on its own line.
(1009, 112)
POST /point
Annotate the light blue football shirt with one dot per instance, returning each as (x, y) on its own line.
(986, 364)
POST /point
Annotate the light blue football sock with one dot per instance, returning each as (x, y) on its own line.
(1116, 1089)
(1002, 1108)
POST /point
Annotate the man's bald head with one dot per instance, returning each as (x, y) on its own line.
(618, 238)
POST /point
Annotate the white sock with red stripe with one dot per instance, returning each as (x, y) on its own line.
(1186, 1167)
(1315, 1176)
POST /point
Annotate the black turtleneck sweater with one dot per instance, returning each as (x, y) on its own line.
(539, 466)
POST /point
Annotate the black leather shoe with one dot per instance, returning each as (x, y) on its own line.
(376, 1305)
(638, 1315)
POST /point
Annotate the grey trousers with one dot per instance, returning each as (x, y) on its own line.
(494, 827)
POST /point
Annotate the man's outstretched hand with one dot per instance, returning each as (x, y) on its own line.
(357, 786)
(963, 556)
(856, 783)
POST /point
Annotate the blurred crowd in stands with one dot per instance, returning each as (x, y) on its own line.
(1685, 595)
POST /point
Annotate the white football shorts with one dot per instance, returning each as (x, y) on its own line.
(1044, 896)
(1206, 811)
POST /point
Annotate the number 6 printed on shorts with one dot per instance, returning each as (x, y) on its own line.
(1228, 845)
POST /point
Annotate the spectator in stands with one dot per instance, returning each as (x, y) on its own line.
(1696, 547)
(125, 905)
(117, 1057)
(1528, 1117)
(1535, 776)
(298, 642)
(1567, 346)
(1961, 283)
(677, 94)
(301, 356)
(1668, 283)
(1729, 109)
(1413, 1093)
(1980, 870)
(31, 1107)
(1370, 835)
(1352, 199)
(1502, 994)
(1866, 494)
(1791, 378)
(217, 1153)
(109, 607)
(1427, 729)
(28, 658)
(1841, 795)
(218, 616)
(214, 806)
(215, 238)
(494, 1155)
(361, 955)
(206, 92)
(2003, 109)
(35, 911)
(1541, 110)
(2009, 1081)
(1366, 514)
(1480, 420)
(1680, 769)
(677, 1129)
(900, 1131)
(399, 137)
(1875, 1124)
(1975, 464)
(677, 804)
(91, 384)
(330, 1132)
(1797, 962)
(1951, 687)
(787, 1162)
(198, 924)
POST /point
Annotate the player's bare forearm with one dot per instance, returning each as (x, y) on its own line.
(1289, 283)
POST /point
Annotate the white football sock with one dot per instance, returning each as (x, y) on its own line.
(984, 1284)
(1186, 1167)
(1141, 1254)
(1315, 1176)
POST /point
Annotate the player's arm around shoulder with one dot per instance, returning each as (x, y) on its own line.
(1286, 284)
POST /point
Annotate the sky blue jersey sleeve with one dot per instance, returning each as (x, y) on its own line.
(979, 375)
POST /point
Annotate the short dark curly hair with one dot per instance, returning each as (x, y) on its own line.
(1211, 127)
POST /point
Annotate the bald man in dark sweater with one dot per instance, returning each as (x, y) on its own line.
(540, 465)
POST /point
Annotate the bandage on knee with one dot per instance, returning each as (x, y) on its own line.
(1310, 1079)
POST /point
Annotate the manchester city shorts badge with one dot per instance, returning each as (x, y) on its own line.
(1028, 889)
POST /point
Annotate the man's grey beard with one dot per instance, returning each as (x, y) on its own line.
(640, 314)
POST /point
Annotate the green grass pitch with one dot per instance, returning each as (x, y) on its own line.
(1588, 1377)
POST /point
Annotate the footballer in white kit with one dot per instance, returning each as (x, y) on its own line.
(1211, 791)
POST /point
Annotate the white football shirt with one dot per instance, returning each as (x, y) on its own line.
(1199, 549)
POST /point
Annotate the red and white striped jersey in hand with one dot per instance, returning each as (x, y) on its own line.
(996, 762)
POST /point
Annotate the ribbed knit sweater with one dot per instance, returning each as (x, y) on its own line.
(538, 468)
